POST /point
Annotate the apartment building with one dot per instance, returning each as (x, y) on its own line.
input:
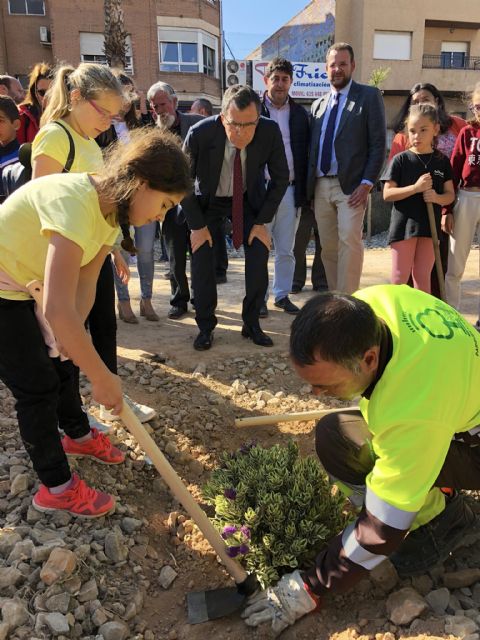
(178, 43)
(436, 41)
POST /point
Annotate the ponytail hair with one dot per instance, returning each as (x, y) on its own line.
(127, 243)
(89, 78)
(425, 110)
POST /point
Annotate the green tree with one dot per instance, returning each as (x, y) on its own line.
(115, 46)
(378, 76)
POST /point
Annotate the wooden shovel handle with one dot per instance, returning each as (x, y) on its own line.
(288, 417)
(180, 492)
(436, 250)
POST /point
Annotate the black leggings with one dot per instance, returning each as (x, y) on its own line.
(44, 389)
(102, 321)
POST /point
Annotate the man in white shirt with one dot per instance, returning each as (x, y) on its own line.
(293, 122)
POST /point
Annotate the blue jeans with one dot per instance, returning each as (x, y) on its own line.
(283, 228)
(144, 239)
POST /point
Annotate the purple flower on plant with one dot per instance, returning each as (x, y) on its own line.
(246, 531)
(230, 493)
(243, 549)
(229, 530)
(233, 551)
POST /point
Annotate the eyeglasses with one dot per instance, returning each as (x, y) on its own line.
(239, 126)
(102, 112)
(474, 107)
(41, 92)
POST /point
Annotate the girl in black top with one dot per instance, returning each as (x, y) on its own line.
(417, 176)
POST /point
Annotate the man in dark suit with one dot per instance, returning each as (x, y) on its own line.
(346, 155)
(163, 102)
(229, 156)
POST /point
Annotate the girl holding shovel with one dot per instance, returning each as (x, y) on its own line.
(58, 230)
(413, 178)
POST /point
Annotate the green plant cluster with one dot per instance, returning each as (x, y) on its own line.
(274, 509)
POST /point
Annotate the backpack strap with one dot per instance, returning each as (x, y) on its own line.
(71, 151)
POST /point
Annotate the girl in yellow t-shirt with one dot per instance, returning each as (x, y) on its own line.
(59, 229)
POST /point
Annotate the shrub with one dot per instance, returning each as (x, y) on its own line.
(274, 509)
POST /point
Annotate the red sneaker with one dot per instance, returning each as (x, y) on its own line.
(79, 500)
(98, 447)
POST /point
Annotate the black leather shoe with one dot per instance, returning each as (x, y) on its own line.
(203, 341)
(221, 279)
(296, 288)
(257, 335)
(176, 312)
(321, 287)
(263, 313)
(431, 544)
(288, 306)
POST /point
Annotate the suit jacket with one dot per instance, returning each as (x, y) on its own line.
(186, 121)
(205, 143)
(299, 141)
(360, 139)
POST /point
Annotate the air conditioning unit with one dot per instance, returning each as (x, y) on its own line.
(45, 35)
(235, 72)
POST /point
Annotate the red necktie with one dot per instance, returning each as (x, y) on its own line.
(237, 201)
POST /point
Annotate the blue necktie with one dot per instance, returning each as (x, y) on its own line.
(327, 148)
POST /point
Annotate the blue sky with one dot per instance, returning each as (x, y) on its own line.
(247, 23)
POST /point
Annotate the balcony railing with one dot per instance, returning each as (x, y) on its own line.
(456, 61)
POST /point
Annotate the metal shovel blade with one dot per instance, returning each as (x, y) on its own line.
(213, 604)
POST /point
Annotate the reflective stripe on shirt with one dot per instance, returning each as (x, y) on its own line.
(388, 514)
(356, 553)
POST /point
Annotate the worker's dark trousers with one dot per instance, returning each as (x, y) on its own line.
(43, 387)
(341, 441)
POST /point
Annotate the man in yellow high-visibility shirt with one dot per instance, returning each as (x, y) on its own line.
(415, 362)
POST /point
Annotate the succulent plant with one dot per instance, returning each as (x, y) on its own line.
(274, 509)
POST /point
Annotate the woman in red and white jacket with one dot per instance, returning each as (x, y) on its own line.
(32, 107)
(465, 219)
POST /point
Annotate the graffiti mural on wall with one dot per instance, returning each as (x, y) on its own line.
(306, 37)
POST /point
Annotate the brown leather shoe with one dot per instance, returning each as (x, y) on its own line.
(147, 311)
(125, 312)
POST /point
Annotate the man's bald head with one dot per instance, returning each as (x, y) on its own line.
(10, 86)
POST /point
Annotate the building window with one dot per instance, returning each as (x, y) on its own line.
(27, 7)
(91, 50)
(188, 50)
(454, 55)
(208, 61)
(179, 56)
(392, 45)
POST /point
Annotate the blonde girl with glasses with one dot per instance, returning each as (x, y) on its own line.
(464, 222)
(81, 104)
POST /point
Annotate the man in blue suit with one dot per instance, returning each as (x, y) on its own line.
(347, 152)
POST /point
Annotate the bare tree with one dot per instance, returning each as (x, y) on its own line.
(115, 46)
